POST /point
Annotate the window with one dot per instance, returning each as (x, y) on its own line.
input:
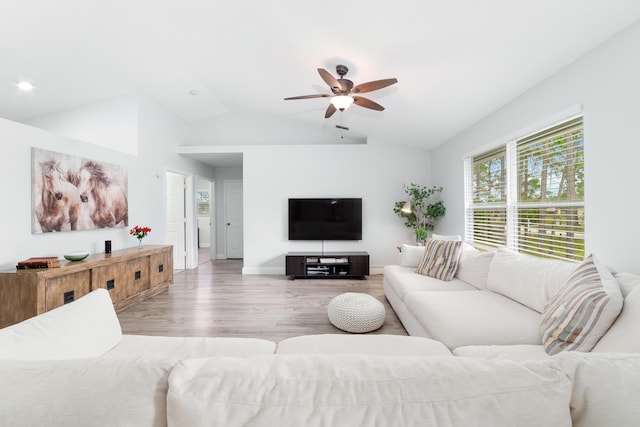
(203, 203)
(528, 194)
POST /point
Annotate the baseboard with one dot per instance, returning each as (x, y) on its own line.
(376, 269)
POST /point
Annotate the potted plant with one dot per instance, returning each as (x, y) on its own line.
(421, 211)
(421, 235)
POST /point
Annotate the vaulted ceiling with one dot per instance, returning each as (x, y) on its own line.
(456, 61)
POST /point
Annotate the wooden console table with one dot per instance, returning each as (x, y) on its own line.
(130, 275)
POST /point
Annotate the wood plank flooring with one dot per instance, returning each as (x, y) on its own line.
(216, 300)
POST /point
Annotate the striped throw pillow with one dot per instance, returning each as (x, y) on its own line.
(440, 259)
(583, 309)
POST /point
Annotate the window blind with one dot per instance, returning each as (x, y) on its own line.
(551, 191)
(529, 194)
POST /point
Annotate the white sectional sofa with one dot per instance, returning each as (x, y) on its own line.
(73, 367)
(492, 307)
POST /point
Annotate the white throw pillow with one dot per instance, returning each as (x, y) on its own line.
(473, 266)
(450, 238)
(87, 327)
(530, 280)
(583, 310)
(605, 387)
(410, 256)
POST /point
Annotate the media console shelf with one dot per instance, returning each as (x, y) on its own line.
(327, 265)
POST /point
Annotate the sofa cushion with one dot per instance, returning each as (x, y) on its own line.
(380, 344)
(627, 282)
(83, 392)
(87, 327)
(440, 259)
(473, 266)
(410, 256)
(363, 390)
(605, 387)
(474, 318)
(403, 280)
(179, 348)
(516, 353)
(531, 281)
(583, 310)
(624, 334)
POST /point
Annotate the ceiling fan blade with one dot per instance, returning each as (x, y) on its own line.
(320, 95)
(330, 110)
(367, 103)
(374, 85)
(330, 80)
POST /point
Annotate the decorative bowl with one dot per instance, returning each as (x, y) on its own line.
(76, 256)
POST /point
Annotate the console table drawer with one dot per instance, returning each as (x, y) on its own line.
(161, 268)
(65, 289)
(136, 272)
(122, 279)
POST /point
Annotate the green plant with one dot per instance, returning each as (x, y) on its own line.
(425, 211)
(421, 234)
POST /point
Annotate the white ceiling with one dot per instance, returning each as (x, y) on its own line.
(456, 61)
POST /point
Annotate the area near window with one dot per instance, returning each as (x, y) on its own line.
(528, 194)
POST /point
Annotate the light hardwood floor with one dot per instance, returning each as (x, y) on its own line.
(216, 300)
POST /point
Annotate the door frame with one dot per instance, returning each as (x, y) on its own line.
(191, 228)
(213, 227)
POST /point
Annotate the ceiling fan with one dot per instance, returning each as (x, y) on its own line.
(344, 91)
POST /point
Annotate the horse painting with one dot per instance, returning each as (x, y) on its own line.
(59, 202)
(108, 206)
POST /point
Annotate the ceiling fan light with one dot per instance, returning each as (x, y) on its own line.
(342, 102)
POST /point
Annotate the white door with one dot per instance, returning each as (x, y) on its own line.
(233, 217)
(176, 219)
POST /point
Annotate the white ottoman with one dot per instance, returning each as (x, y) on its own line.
(355, 312)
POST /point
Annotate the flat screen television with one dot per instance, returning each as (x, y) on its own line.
(325, 219)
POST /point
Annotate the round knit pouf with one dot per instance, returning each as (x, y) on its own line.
(354, 312)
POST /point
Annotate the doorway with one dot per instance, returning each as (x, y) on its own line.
(233, 218)
(176, 218)
(205, 218)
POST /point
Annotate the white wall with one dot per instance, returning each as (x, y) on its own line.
(606, 83)
(159, 133)
(375, 172)
(112, 123)
(16, 141)
(233, 129)
(271, 174)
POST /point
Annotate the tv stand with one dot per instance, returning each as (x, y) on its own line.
(327, 265)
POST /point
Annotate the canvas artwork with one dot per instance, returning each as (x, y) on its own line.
(73, 193)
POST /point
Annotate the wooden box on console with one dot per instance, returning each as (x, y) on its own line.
(131, 275)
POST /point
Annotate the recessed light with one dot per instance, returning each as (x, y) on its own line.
(193, 92)
(25, 85)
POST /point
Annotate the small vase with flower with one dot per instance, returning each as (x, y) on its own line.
(139, 233)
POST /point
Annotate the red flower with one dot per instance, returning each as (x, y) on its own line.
(139, 232)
